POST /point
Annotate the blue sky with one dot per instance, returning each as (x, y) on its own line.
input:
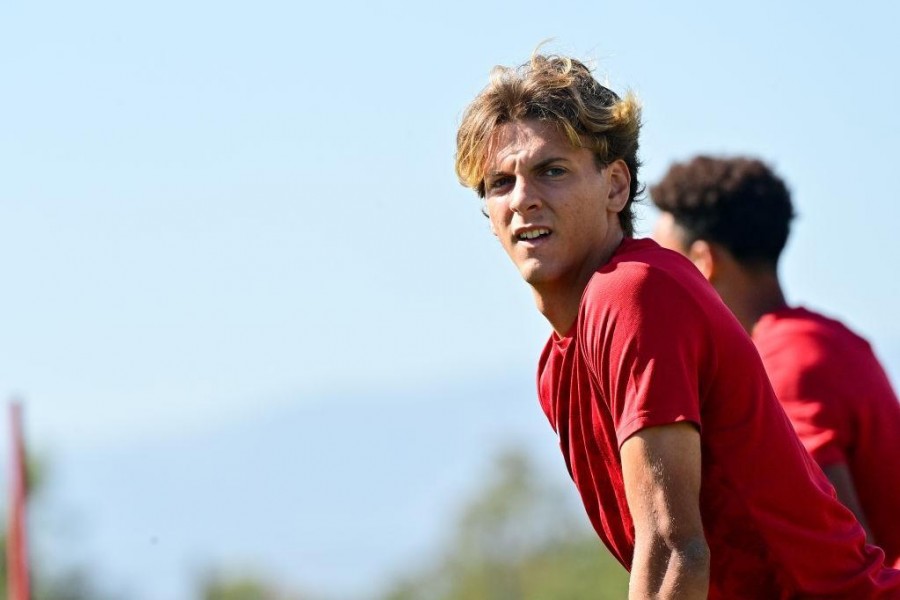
(214, 211)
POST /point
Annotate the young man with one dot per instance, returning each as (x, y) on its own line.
(686, 464)
(731, 216)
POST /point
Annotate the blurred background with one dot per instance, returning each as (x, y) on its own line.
(266, 345)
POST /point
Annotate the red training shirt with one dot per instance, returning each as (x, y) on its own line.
(842, 406)
(653, 345)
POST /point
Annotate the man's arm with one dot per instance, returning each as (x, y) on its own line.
(839, 476)
(661, 470)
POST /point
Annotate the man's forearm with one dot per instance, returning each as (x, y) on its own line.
(661, 572)
(661, 467)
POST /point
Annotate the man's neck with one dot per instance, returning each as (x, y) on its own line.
(560, 301)
(752, 295)
(559, 305)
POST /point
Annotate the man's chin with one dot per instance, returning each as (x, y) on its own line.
(535, 275)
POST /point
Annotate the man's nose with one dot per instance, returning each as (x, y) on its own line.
(524, 197)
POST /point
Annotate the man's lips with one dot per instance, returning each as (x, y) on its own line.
(531, 234)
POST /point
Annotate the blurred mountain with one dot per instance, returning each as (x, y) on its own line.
(331, 494)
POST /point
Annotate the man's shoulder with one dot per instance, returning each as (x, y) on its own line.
(810, 354)
(646, 292)
(800, 326)
(640, 273)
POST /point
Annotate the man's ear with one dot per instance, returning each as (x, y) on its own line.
(703, 255)
(619, 178)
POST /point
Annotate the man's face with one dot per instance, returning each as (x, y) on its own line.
(668, 235)
(553, 210)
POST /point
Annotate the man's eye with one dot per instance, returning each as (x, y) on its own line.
(499, 182)
(554, 171)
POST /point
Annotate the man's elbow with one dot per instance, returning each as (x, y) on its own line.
(692, 555)
(678, 568)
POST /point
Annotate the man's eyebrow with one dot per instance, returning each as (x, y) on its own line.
(547, 162)
(537, 167)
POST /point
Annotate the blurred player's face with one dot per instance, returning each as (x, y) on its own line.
(667, 234)
(553, 210)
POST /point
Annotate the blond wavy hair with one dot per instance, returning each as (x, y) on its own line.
(559, 90)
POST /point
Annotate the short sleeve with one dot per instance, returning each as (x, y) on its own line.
(648, 338)
(805, 388)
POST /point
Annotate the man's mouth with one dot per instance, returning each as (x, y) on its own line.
(533, 234)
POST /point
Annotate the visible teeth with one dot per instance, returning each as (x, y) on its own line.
(535, 233)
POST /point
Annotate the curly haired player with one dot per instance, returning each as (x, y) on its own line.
(731, 217)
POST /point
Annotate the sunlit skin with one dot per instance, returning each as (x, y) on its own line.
(537, 182)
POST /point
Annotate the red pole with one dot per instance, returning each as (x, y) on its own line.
(17, 543)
